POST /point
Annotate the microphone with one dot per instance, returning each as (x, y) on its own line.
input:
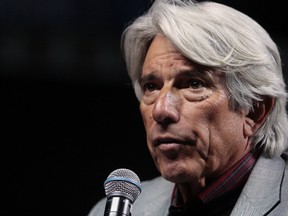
(122, 188)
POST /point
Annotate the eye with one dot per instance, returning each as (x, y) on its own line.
(150, 86)
(195, 84)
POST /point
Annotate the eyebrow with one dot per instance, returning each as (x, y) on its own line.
(149, 77)
(180, 73)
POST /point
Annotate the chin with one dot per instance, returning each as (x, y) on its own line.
(174, 174)
(178, 179)
(179, 172)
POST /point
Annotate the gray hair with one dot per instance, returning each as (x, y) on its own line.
(219, 37)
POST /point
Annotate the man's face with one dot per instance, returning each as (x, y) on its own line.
(192, 134)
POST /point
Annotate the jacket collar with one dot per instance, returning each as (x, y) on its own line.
(262, 190)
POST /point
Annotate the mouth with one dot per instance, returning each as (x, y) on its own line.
(170, 140)
(169, 144)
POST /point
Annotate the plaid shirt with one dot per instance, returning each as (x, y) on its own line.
(232, 180)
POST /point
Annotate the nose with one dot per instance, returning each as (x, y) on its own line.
(166, 108)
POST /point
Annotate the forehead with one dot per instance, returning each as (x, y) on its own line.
(163, 54)
(159, 46)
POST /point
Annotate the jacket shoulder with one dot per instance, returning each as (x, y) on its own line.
(266, 191)
(154, 199)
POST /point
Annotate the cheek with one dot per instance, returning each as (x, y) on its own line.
(225, 126)
(227, 136)
(148, 121)
(221, 116)
(145, 114)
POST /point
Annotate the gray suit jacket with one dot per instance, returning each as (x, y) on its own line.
(265, 193)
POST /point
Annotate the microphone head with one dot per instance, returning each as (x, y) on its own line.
(123, 182)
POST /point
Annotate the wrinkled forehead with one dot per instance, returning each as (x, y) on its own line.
(158, 46)
(161, 46)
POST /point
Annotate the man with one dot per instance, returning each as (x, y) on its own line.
(212, 98)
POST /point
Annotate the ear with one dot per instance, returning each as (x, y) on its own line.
(257, 116)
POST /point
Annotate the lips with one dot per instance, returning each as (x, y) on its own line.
(170, 147)
(171, 141)
(171, 144)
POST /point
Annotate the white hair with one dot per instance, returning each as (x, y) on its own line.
(219, 37)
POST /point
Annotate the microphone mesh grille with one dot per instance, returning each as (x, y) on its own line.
(124, 182)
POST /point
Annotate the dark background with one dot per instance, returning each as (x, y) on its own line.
(69, 115)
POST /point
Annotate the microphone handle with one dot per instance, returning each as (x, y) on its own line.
(118, 206)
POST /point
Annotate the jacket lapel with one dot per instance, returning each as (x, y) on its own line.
(262, 190)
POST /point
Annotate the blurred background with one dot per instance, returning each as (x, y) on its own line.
(68, 113)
